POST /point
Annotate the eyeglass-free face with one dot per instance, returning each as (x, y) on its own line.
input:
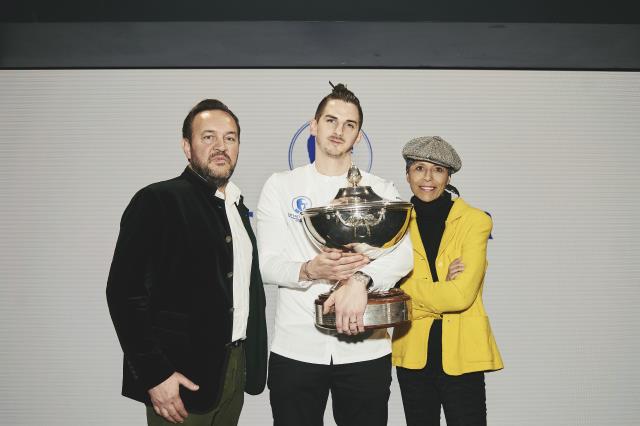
(427, 180)
(214, 144)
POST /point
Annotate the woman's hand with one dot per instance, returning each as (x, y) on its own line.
(455, 269)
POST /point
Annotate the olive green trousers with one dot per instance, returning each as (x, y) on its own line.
(227, 412)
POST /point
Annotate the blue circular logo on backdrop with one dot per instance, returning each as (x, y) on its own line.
(302, 150)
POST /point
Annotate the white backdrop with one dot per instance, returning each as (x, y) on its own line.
(551, 155)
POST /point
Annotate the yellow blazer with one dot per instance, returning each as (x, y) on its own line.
(467, 342)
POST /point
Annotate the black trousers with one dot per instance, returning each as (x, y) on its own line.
(424, 391)
(299, 391)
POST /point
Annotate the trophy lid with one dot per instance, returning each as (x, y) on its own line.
(354, 194)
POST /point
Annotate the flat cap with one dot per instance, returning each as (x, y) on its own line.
(432, 149)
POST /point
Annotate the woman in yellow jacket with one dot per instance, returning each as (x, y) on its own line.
(441, 356)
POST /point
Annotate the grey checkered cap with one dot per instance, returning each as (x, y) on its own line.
(432, 149)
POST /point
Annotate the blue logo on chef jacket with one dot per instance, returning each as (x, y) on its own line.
(300, 203)
(302, 150)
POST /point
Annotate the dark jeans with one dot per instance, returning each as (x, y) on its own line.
(299, 391)
(424, 391)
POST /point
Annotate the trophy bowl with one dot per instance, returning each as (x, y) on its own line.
(360, 221)
(370, 228)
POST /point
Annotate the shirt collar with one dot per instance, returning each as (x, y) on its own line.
(327, 178)
(231, 194)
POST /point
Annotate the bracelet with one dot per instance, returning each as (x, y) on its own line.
(305, 271)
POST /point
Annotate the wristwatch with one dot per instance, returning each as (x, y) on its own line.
(363, 278)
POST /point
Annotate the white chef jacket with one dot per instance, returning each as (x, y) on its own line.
(283, 246)
(242, 258)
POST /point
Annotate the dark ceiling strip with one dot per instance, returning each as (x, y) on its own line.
(288, 44)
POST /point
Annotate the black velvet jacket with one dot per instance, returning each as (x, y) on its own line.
(170, 292)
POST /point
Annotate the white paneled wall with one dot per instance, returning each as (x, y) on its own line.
(553, 156)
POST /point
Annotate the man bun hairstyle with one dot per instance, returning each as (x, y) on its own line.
(205, 105)
(341, 93)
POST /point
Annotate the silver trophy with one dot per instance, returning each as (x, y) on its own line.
(360, 221)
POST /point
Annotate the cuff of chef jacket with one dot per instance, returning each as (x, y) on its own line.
(376, 283)
(293, 272)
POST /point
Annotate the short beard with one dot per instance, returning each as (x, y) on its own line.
(213, 179)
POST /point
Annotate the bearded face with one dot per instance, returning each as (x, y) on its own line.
(214, 146)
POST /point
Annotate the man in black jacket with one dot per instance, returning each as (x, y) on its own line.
(184, 289)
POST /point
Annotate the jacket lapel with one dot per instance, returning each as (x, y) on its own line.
(416, 239)
(256, 279)
(244, 215)
(457, 210)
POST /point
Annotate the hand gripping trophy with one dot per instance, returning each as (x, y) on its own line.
(359, 220)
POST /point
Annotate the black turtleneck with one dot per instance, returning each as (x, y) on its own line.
(431, 218)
